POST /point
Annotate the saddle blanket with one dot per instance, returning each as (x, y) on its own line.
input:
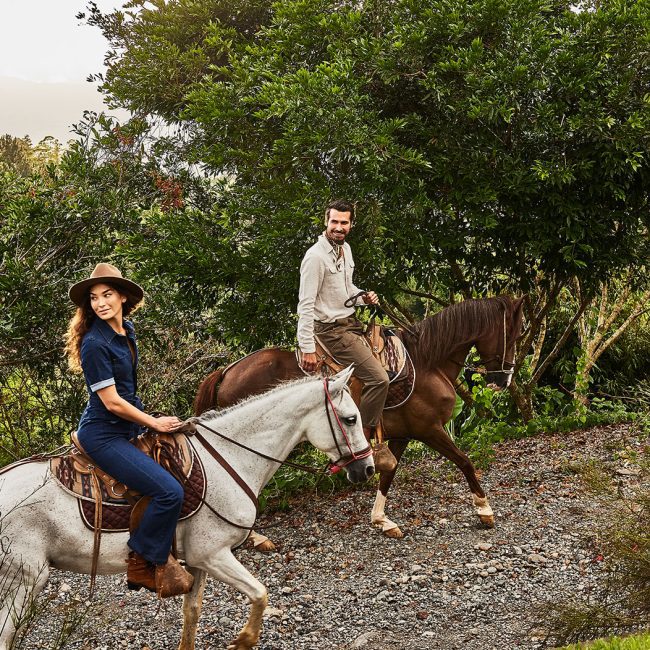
(394, 358)
(77, 480)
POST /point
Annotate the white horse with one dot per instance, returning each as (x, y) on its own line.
(41, 527)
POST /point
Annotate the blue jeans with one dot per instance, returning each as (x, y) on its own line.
(114, 454)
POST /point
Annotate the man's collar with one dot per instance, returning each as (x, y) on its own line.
(327, 244)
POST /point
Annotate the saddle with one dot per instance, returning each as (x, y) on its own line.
(387, 346)
(112, 506)
(105, 502)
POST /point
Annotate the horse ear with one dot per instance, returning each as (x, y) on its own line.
(340, 379)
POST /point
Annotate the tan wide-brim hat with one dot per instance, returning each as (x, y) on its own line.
(104, 273)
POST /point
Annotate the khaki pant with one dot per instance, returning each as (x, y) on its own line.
(344, 339)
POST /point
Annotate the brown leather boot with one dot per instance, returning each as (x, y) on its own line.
(172, 579)
(140, 573)
(382, 456)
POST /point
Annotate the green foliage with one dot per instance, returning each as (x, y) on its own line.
(490, 146)
(486, 144)
(56, 226)
(635, 642)
(22, 157)
(492, 419)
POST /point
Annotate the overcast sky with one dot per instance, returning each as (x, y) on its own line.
(45, 57)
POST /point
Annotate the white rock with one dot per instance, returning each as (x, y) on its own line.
(269, 612)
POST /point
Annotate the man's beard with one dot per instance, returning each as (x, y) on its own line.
(333, 241)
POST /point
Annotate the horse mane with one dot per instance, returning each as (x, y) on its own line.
(436, 337)
(283, 385)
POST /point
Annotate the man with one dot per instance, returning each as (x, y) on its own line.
(325, 285)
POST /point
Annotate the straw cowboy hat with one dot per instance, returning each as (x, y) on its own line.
(108, 274)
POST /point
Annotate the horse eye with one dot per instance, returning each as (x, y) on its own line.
(350, 420)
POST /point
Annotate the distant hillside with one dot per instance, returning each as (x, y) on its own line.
(42, 109)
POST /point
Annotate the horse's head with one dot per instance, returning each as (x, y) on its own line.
(497, 347)
(338, 432)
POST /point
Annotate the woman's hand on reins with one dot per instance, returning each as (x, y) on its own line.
(165, 423)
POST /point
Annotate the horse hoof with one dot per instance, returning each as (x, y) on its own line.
(266, 546)
(394, 533)
(487, 520)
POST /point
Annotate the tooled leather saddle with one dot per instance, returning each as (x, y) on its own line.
(106, 503)
(388, 347)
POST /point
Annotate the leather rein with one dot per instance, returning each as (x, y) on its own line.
(332, 468)
(507, 367)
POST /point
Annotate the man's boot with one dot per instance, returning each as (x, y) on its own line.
(382, 456)
(172, 579)
(140, 573)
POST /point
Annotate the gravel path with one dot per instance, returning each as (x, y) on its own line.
(335, 582)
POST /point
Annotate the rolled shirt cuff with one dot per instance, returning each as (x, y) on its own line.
(102, 384)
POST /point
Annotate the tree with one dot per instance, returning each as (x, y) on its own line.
(24, 158)
(621, 303)
(56, 225)
(491, 146)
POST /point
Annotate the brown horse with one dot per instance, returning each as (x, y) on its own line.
(438, 347)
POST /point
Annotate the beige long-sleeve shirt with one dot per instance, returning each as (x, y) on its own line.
(325, 285)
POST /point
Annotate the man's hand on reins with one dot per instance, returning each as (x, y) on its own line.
(309, 361)
(371, 298)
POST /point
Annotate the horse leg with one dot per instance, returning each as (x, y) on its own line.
(224, 567)
(192, 602)
(261, 542)
(20, 585)
(378, 516)
(442, 443)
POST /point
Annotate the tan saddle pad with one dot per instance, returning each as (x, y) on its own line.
(73, 473)
(392, 354)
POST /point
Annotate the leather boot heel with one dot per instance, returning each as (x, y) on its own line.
(172, 579)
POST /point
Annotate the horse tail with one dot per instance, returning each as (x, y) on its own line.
(206, 396)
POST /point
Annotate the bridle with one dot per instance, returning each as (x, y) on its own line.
(331, 467)
(507, 367)
(344, 460)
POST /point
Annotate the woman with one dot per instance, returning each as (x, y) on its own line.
(102, 345)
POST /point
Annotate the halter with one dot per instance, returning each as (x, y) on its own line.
(510, 369)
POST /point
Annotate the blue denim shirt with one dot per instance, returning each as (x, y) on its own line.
(106, 360)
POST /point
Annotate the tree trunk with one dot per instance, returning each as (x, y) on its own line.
(523, 397)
